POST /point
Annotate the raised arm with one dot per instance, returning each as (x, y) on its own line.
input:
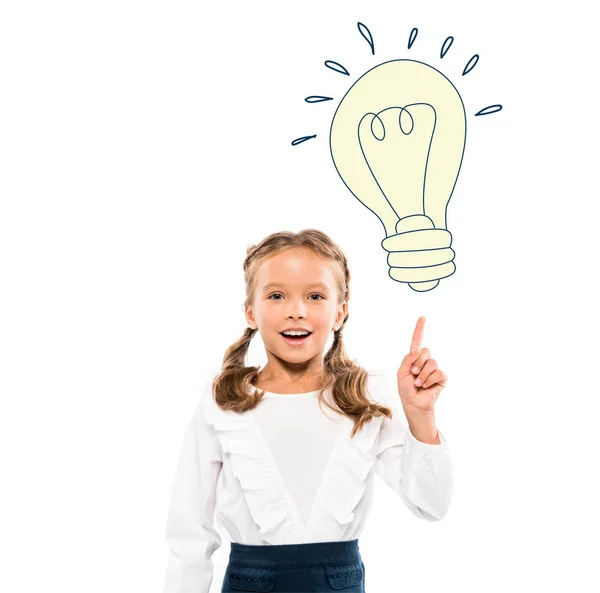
(420, 473)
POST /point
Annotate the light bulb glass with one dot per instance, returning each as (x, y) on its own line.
(397, 140)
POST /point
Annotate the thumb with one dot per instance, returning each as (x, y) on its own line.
(409, 360)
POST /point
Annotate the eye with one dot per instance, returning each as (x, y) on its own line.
(321, 297)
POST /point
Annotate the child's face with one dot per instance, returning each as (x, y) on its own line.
(297, 301)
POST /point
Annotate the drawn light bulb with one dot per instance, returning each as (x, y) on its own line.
(397, 140)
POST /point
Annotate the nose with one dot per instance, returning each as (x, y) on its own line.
(296, 309)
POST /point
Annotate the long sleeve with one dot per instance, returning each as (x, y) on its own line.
(420, 473)
(191, 534)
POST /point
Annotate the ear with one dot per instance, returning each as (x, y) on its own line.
(250, 317)
(340, 315)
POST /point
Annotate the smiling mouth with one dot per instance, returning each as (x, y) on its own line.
(295, 339)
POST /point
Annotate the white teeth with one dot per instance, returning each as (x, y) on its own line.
(295, 333)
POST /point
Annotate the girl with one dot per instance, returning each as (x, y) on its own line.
(295, 484)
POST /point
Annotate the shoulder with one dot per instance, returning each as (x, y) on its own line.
(377, 385)
(206, 404)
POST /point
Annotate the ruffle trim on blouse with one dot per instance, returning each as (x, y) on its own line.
(345, 478)
(252, 464)
(341, 488)
(344, 485)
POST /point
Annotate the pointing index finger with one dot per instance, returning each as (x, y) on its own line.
(417, 337)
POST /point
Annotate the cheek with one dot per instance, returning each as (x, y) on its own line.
(268, 315)
(323, 320)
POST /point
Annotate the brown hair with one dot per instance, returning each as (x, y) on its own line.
(231, 387)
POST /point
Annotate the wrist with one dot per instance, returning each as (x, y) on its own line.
(421, 424)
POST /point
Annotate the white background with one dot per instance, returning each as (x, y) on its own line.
(145, 145)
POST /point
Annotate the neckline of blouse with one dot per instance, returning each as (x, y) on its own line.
(272, 394)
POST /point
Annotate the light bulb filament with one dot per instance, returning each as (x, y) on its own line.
(395, 145)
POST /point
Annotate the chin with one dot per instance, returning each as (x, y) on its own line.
(297, 356)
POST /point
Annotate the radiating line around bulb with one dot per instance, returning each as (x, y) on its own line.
(364, 31)
(449, 41)
(302, 139)
(317, 99)
(470, 66)
(489, 109)
(332, 66)
(413, 36)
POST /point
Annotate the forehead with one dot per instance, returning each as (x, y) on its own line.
(295, 267)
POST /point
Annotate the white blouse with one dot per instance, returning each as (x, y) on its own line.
(287, 473)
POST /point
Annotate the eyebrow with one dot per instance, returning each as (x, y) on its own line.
(277, 284)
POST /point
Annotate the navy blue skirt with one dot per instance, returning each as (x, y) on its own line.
(295, 568)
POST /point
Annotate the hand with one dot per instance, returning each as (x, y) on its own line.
(418, 366)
